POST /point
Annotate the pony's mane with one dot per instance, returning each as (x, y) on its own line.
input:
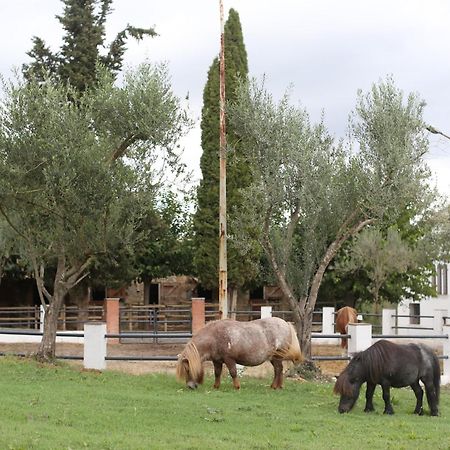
(373, 360)
(342, 385)
(376, 357)
(292, 350)
(189, 364)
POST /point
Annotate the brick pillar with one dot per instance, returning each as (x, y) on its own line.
(198, 314)
(112, 318)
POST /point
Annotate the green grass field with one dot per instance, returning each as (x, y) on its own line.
(45, 407)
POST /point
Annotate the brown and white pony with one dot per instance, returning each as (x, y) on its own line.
(345, 316)
(231, 342)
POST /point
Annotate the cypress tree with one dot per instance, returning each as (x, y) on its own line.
(84, 24)
(241, 268)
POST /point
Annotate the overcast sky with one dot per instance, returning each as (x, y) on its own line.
(326, 49)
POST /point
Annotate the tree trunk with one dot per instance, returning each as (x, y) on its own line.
(1, 269)
(65, 279)
(303, 309)
(47, 347)
(80, 296)
(376, 300)
(304, 329)
(233, 306)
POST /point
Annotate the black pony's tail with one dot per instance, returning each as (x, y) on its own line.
(436, 376)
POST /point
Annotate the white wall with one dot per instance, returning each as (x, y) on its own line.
(427, 308)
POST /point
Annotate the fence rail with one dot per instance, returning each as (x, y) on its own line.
(95, 344)
(159, 322)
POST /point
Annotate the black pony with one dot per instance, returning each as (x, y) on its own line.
(389, 364)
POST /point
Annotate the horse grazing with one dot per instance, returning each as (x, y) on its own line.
(232, 342)
(390, 365)
(345, 316)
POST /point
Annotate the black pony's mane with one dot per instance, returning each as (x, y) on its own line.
(376, 358)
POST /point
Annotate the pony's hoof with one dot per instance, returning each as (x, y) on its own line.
(419, 412)
(389, 412)
(434, 413)
(368, 410)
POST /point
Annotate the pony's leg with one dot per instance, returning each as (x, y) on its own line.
(370, 389)
(231, 364)
(217, 373)
(387, 399)
(277, 382)
(418, 391)
(430, 391)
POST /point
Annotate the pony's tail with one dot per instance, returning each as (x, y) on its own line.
(436, 376)
(292, 351)
(189, 364)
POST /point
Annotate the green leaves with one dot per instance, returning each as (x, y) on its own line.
(310, 195)
(67, 196)
(392, 141)
(141, 116)
(84, 26)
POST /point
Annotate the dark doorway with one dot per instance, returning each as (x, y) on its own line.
(207, 294)
(98, 293)
(257, 293)
(153, 298)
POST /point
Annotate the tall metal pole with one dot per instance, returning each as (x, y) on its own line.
(223, 287)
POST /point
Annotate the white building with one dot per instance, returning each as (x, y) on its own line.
(430, 308)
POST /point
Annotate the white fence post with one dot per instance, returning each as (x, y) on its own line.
(327, 320)
(266, 311)
(388, 322)
(41, 318)
(445, 378)
(438, 320)
(360, 337)
(94, 345)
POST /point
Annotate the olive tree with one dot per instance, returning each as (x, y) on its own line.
(311, 194)
(77, 172)
(380, 256)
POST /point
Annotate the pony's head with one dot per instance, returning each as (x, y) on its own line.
(190, 367)
(349, 384)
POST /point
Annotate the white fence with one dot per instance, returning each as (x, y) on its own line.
(360, 335)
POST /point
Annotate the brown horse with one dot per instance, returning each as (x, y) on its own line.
(345, 316)
(233, 342)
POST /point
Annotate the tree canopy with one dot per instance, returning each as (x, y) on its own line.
(310, 194)
(379, 257)
(72, 196)
(417, 231)
(83, 22)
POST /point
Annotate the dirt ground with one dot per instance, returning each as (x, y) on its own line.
(328, 368)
